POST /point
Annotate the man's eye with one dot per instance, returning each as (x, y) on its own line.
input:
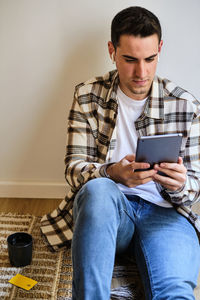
(149, 59)
(130, 60)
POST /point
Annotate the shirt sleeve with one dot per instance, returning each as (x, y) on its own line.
(190, 192)
(82, 160)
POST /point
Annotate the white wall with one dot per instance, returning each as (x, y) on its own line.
(46, 48)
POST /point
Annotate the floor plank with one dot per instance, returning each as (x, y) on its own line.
(37, 207)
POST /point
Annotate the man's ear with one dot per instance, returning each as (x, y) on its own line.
(160, 46)
(111, 51)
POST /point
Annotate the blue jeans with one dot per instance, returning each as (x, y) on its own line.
(107, 222)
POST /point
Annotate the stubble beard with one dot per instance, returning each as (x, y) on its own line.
(139, 91)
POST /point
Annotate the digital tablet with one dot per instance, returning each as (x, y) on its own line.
(158, 148)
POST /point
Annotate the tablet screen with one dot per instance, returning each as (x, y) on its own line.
(158, 148)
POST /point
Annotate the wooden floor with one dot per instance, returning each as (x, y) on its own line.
(39, 207)
(36, 207)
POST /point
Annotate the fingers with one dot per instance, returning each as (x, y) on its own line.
(174, 170)
(140, 166)
(170, 183)
(135, 182)
(176, 173)
(129, 160)
(124, 172)
(140, 175)
(171, 166)
(129, 175)
(180, 160)
(138, 178)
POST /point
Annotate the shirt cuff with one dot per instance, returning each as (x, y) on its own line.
(103, 169)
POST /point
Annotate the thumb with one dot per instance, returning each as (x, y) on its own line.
(180, 160)
(130, 157)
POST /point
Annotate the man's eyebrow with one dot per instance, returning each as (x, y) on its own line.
(135, 58)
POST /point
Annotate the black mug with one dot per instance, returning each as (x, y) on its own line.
(20, 246)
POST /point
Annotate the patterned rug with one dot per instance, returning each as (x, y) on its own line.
(53, 271)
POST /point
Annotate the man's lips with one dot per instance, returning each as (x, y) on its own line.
(140, 82)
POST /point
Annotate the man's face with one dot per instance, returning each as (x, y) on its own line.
(136, 61)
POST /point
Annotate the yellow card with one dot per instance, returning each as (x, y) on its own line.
(23, 282)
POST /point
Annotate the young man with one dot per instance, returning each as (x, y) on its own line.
(116, 209)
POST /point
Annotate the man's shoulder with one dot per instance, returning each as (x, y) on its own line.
(95, 84)
(171, 89)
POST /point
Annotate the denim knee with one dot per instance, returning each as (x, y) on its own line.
(97, 196)
(101, 184)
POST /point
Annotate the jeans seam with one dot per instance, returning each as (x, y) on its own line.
(129, 216)
(150, 276)
(120, 228)
(124, 209)
(120, 213)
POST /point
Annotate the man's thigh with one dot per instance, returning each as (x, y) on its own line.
(168, 253)
(101, 208)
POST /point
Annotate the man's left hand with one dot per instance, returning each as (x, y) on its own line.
(176, 175)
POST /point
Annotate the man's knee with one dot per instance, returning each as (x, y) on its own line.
(100, 186)
(98, 196)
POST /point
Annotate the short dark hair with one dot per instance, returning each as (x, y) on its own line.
(134, 20)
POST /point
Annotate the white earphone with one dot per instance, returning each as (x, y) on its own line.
(112, 58)
(158, 57)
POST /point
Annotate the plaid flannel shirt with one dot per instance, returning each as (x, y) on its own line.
(92, 138)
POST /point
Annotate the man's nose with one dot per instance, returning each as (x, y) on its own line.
(141, 69)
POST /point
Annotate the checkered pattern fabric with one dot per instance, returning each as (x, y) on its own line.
(92, 138)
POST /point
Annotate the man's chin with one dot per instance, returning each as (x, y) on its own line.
(140, 92)
(137, 93)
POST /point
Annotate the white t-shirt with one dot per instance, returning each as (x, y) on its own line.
(126, 140)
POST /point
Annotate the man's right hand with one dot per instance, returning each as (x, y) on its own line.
(124, 172)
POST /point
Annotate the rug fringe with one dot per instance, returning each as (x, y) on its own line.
(123, 292)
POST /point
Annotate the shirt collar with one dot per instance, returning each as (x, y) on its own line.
(155, 104)
(112, 94)
(154, 107)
